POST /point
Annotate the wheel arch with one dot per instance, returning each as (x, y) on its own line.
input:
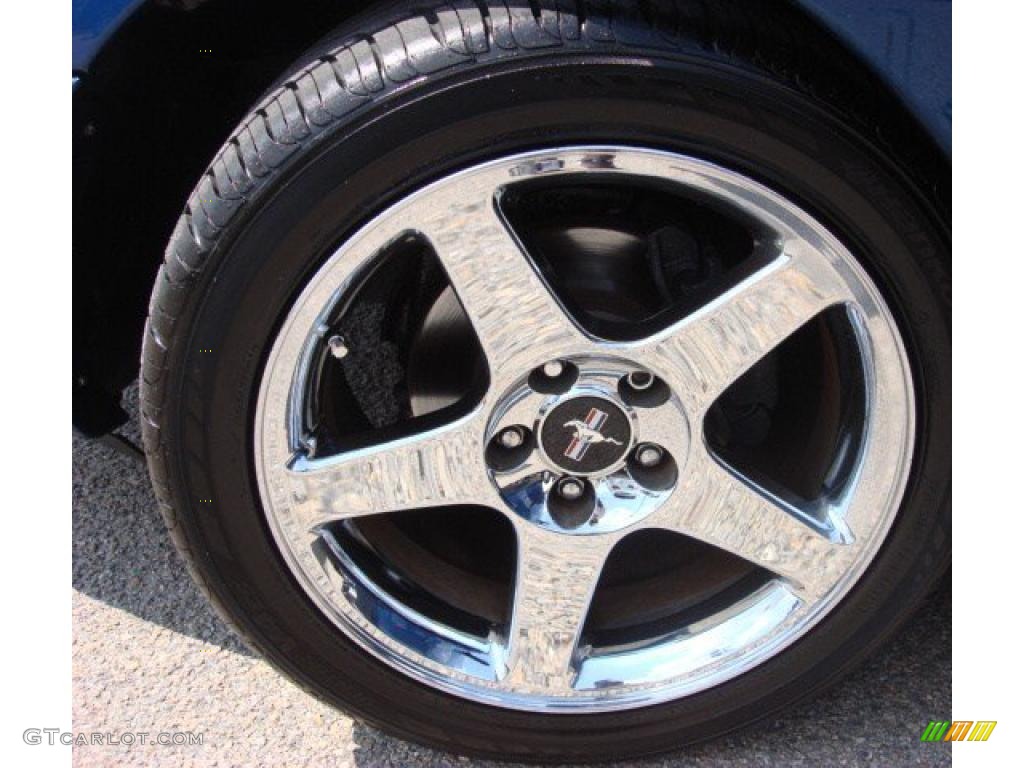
(158, 84)
(166, 80)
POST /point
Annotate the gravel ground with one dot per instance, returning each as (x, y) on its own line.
(150, 655)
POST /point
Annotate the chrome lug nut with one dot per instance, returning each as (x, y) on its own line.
(511, 437)
(649, 455)
(569, 488)
(336, 344)
(641, 380)
(553, 369)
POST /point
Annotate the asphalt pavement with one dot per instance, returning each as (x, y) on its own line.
(150, 656)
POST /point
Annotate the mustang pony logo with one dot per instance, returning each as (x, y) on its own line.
(588, 432)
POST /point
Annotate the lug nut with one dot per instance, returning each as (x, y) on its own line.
(512, 437)
(649, 455)
(569, 488)
(640, 379)
(337, 346)
(553, 369)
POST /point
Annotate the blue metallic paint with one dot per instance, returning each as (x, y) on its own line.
(907, 42)
(93, 22)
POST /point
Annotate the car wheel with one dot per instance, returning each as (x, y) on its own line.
(547, 384)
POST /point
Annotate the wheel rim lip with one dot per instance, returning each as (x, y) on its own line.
(771, 600)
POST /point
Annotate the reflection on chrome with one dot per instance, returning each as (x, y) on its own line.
(538, 662)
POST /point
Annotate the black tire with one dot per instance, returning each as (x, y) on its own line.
(363, 121)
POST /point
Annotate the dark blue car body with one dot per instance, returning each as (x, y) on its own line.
(906, 42)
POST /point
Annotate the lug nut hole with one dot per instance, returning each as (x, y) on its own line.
(642, 389)
(640, 380)
(509, 448)
(571, 501)
(653, 467)
(511, 437)
(555, 377)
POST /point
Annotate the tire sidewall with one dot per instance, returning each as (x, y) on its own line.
(686, 103)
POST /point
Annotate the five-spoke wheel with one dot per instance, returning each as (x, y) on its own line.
(582, 439)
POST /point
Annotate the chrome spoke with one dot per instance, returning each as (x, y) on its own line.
(554, 584)
(438, 467)
(716, 506)
(665, 426)
(518, 320)
(605, 440)
(520, 412)
(707, 351)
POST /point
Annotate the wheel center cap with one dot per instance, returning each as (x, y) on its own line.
(586, 435)
(586, 445)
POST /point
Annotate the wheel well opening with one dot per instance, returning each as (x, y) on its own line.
(165, 91)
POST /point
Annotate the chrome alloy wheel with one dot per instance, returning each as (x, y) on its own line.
(581, 441)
